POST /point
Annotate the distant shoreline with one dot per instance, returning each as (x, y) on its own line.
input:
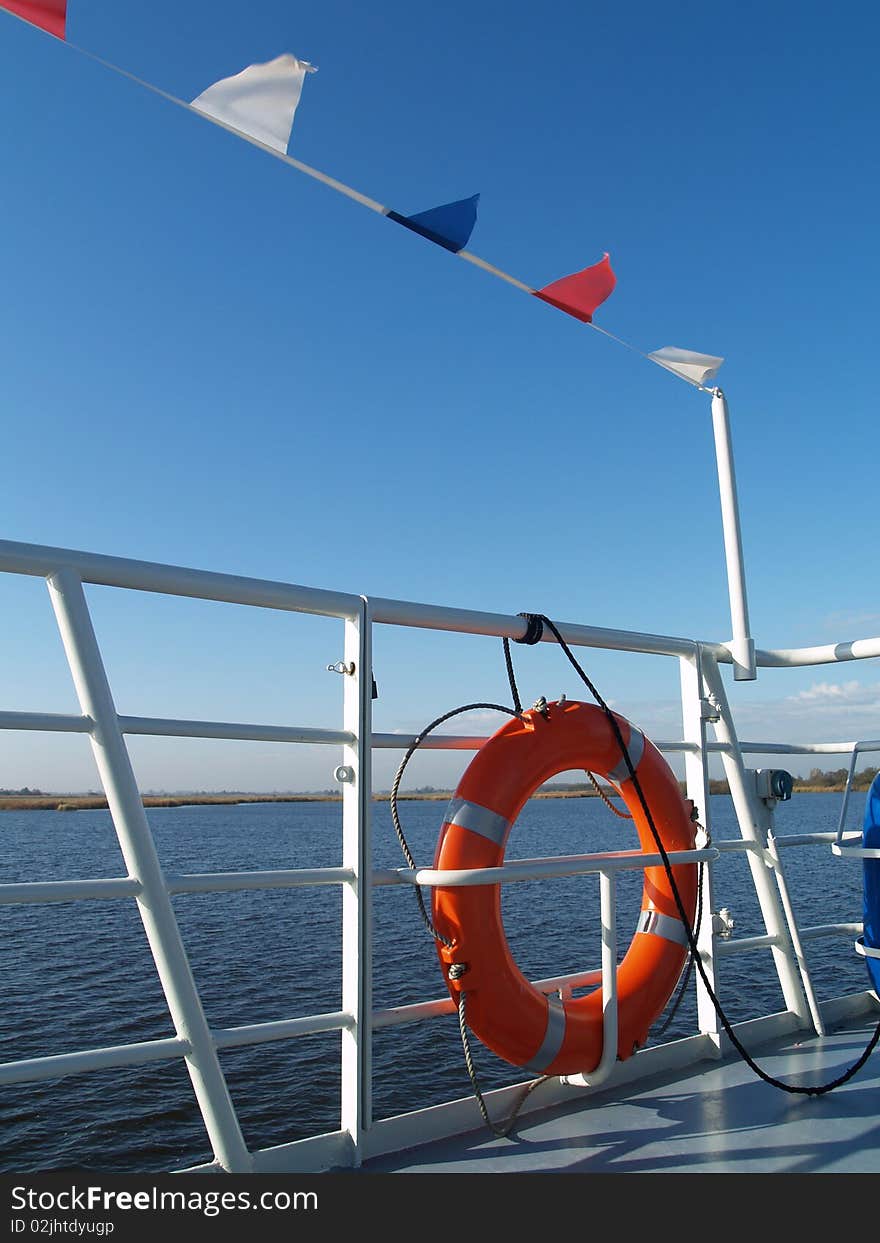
(96, 802)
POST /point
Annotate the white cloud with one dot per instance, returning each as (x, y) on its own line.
(864, 623)
(829, 692)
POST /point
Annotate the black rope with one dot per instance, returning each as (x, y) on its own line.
(534, 628)
(687, 969)
(533, 634)
(689, 965)
(514, 691)
(819, 1090)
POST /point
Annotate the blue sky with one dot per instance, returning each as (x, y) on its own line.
(210, 360)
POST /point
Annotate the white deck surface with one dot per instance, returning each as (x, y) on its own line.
(714, 1118)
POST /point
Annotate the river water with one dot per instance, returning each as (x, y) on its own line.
(79, 975)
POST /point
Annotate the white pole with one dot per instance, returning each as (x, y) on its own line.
(751, 821)
(357, 894)
(142, 861)
(742, 647)
(694, 710)
(608, 1060)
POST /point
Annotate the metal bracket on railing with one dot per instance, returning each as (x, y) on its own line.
(773, 785)
(866, 951)
(709, 709)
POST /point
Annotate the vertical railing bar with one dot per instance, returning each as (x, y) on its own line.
(142, 861)
(751, 823)
(794, 932)
(357, 894)
(610, 1002)
(846, 792)
(697, 784)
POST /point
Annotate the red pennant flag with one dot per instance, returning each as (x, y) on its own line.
(581, 293)
(50, 14)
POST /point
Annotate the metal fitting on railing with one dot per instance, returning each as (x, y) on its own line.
(723, 923)
(773, 784)
(709, 709)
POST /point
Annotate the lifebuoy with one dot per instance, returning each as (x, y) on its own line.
(507, 1013)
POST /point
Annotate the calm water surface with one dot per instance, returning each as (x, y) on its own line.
(79, 975)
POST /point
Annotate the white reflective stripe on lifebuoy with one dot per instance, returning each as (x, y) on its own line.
(667, 926)
(635, 747)
(477, 819)
(553, 1038)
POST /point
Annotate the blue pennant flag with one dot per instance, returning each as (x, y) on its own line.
(450, 226)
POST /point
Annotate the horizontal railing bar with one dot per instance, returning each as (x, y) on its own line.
(69, 890)
(433, 742)
(823, 654)
(501, 625)
(537, 869)
(744, 945)
(801, 748)
(176, 580)
(730, 845)
(100, 569)
(813, 839)
(473, 742)
(51, 722)
(829, 930)
(205, 882)
(59, 1066)
(855, 852)
(220, 729)
(283, 1029)
(396, 1015)
(279, 878)
(289, 878)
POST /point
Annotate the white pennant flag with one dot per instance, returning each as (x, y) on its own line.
(259, 102)
(696, 367)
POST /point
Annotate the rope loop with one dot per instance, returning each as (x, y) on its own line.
(534, 628)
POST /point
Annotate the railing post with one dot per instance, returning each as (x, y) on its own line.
(751, 826)
(142, 861)
(693, 714)
(797, 943)
(742, 647)
(357, 894)
(610, 1013)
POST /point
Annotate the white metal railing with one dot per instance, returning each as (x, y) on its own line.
(703, 703)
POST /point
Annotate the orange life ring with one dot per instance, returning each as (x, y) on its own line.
(507, 1013)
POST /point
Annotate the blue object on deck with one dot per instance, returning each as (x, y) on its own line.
(871, 867)
(450, 226)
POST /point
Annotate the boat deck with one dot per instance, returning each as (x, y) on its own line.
(710, 1118)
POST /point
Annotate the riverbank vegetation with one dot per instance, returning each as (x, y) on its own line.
(27, 799)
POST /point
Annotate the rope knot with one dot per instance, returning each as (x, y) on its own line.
(534, 628)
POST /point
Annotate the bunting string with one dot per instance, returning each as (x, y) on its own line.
(259, 104)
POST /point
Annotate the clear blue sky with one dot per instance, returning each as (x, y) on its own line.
(208, 359)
